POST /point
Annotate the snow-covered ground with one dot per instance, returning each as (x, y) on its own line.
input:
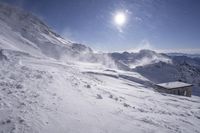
(46, 95)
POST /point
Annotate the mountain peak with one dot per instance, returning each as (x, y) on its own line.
(23, 31)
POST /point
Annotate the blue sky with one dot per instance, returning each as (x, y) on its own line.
(156, 24)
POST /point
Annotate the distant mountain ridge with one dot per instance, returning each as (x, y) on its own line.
(184, 54)
(161, 67)
(141, 58)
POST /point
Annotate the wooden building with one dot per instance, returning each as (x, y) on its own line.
(177, 88)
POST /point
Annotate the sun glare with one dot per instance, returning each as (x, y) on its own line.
(120, 18)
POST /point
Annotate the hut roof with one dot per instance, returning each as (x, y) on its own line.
(173, 85)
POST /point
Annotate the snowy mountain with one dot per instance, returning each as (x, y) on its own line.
(152, 65)
(48, 85)
(22, 31)
(143, 57)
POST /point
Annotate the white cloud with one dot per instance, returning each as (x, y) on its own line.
(67, 34)
(181, 50)
(144, 44)
(138, 19)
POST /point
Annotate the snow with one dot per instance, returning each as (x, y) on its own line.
(141, 58)
(161, 68)
(176, 84)
(162, 73)
(39, 93)
(46, 95)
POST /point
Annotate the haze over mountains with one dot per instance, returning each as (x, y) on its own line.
(50, 84)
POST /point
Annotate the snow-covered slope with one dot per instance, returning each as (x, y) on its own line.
(183, 69)
(43, 92)
(47, 96)
(161, 68)
(22, 31)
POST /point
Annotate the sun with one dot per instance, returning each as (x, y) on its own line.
(120, 18)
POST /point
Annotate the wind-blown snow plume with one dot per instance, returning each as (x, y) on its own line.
(141, 58)
(151, 58)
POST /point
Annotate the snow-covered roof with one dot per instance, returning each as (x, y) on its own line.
(172, 85)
